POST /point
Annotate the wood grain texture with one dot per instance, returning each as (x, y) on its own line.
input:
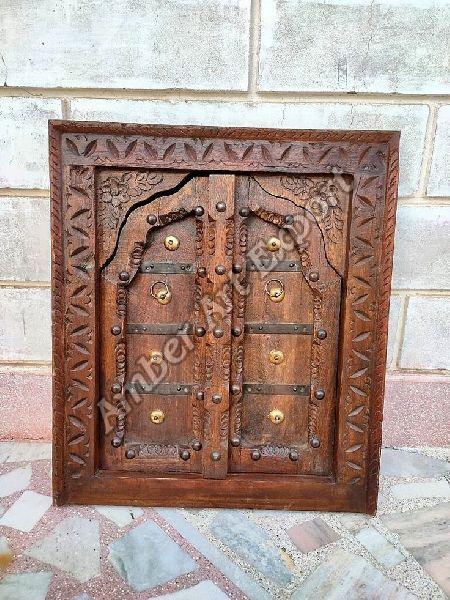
(139, 164)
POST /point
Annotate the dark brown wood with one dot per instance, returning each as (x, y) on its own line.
(160, 229)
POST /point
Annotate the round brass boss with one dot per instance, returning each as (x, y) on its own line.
(171, 242)
(276, 357)
(273, 244)
(157, 416)
(276, 416)
(275, 290)
(156, 357)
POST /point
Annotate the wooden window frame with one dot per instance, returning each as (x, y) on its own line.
(77, 150)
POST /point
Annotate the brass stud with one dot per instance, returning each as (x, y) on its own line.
(130, 453)
(215, 456)
(319, 394)
(314, 276)
(321, 334)
(216, 398)
(273, 244)
(237, 268)
(201, 271)
(200, 331)
(185, 455)
(199, 211)
(221, 206)
(196, 445)
(116, 330)
(220, 270)
(157, 417)
(171, 242)
(293, 455)
(163, 296)
(156, 357)
(235, 441)
(218, 332)
(236, 331)
(314, 441)
(276, 416)
(151, 219)
(276, 357)
(124, 276)
(256, 454)
(275, 292)
(116, 388)
(244, 212)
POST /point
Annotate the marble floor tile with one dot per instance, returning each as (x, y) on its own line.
(312, 534)
(15, 480)
(26, 511)
(383, 551)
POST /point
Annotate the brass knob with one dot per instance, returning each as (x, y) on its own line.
(163, 295)
(275, 290)
(276, 357)
(185, 455)
(156, 357)
(171, 242)
(273, 244)
(256, 455)
(276, 416)
(157, 417)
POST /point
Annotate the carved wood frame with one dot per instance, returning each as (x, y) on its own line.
(77, 149)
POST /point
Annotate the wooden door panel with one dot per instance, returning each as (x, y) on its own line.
(220, 313)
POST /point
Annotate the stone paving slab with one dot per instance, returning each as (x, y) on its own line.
(251, 543)
(146, 557)
(423, 489)
(384, 552)
(401, 463)
(205, 590)
(26, 586)
(26, 511)
(345, 576)
(24, 451)
(120, 515)
(73, 546)
(313, 534)
(14, 481)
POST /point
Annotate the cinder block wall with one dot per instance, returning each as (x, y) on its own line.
(362, 64)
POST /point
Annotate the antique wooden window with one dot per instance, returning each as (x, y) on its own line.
(220, 306)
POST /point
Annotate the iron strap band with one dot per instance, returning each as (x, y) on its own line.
(166, 268)
(276, 390)
(162, 389)
(273, 265)
(292, 328)
(161, 328)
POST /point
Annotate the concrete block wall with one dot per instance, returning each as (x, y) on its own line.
(361, 64)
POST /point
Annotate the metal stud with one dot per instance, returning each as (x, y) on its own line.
(321, 334)
(237, 268)
(116, 388)
(151, 219)
(130, 453)
(276, 416)
(314, 441)
(201, 271)
(185, 455)
(220, 270)
(116, 442)
(200, 331)
(244, 212)
(215, 456)
(289, 219)
(116, 330)
(200, 395)
(221, 206)
(124, 276)
(218, 332)
(235, 389)
(156, 357)
(157, 417)
(171, 242)
(319, 394)
(293, 455)
(314, 276)
(196, 445)
(235, 441)
(273, 244)
(256, 455)
(199, 211)
(276, 357)
(216, 398)
(236, 331)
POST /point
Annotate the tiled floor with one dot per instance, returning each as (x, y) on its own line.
(82, 553)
